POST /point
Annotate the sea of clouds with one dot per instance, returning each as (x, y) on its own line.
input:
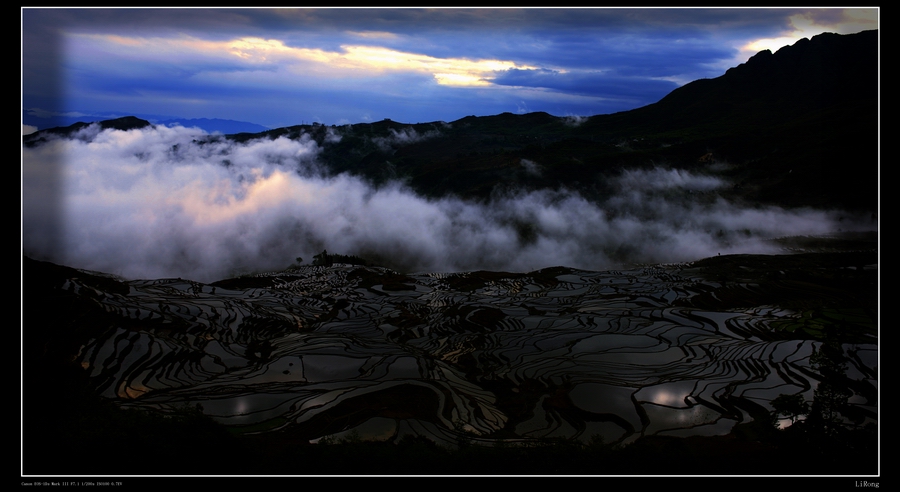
(175, 202)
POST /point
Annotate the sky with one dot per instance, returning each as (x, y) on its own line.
(283, 67)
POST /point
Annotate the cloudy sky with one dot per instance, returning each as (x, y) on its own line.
(281, 67)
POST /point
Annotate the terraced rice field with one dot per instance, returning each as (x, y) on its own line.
(315, 352)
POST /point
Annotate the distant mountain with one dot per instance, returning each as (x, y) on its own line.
(43, 121)
(798, 127)
(124, 123)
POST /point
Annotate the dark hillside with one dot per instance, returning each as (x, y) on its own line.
(801, 123)
(124, 123)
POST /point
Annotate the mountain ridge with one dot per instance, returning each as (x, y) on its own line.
(43, 120)
(786, 125)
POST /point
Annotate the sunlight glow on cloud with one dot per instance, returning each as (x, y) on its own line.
(460, 79)
(447, 71)
(260, 50)
(807, 25)
(255, 51)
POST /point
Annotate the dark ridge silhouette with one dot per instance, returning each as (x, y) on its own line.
(813, 75)
(41, 120)
(125, 123)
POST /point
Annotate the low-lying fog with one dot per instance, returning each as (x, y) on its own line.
(152, 203)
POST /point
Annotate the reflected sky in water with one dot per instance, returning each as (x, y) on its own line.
(554, 353)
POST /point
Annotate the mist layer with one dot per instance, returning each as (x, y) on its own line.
(171, 202)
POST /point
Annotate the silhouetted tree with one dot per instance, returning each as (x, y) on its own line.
(322, 259)
(792, 406)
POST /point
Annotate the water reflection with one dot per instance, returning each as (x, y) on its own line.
(554, 353)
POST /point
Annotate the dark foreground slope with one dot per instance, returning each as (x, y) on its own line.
(684, 369)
